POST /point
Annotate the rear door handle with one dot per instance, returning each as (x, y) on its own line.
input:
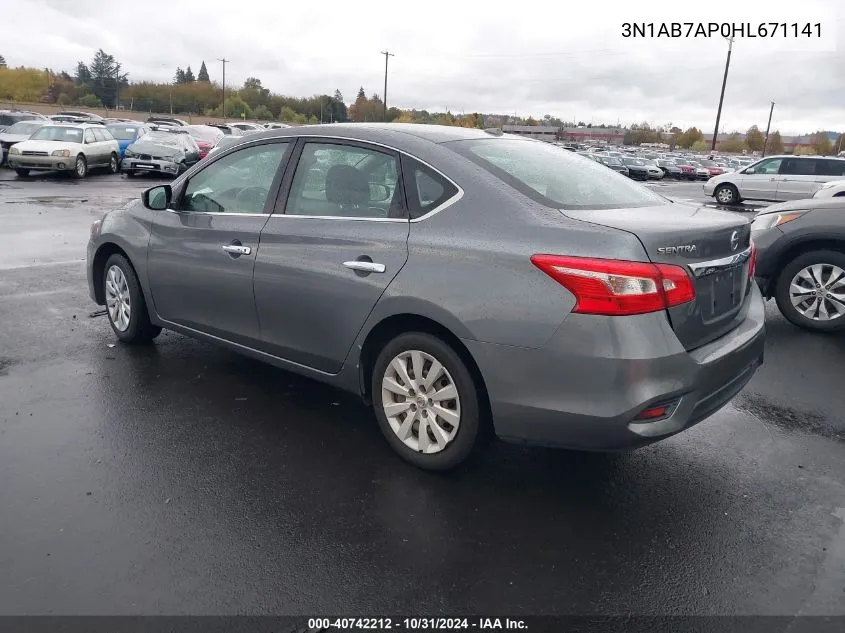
(367, 267)
(237, 249)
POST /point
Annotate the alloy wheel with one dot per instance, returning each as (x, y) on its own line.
(81, 167)
(421, 402)
(818, 292)
(118, 302)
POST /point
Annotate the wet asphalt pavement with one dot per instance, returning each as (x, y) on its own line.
(184, 479)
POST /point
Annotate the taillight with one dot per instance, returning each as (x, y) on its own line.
(616, 287)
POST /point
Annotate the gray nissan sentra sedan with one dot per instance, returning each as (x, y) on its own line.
(461, 281)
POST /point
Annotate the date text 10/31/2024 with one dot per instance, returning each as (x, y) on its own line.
(722, 29)
(418, 623)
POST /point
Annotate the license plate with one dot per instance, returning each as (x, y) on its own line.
(726, 291)
(141, 166)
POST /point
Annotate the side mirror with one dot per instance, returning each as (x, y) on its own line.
(379, 193)
(750, 170)
(157, 198)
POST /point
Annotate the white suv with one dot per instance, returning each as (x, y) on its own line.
(75, 147)
(776, 178)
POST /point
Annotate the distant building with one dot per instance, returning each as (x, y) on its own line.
(593, 135)
(541, 132)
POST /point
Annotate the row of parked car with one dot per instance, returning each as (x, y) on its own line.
(656, 166)
(77, 142)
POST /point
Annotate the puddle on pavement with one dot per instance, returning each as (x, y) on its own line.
(786, 417)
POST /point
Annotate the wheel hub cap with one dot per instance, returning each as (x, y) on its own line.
(118, 302)
(421, 402)
(818, 292)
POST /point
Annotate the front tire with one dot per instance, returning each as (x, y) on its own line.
(810, 291)
(80, 169)
(125, 305)
(426, 401)
(726, 194)
(23, 173)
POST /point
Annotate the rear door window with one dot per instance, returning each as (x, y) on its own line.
(426, 190)
(799, 167)
(833, 167)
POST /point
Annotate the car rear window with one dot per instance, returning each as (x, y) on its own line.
(554, 177)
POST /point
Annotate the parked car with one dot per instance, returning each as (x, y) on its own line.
(247, 127)
(76, 148)
(276, 126)
(206, 137)
(637, 167)
(670, 169)
(831, 189)
(613, 163)
(801, 261)
(166, 120)
(226, 141)
(415, 292)
(16, 133)
(161, 150)
(686, 168)
(80, 115)
(712, 167)
(127, 133)
(228, 130)
(701, 172)
(10, 117)
(777, 179)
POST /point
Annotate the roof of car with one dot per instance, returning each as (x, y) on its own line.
(388, 133)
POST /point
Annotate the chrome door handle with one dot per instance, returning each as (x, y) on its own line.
(236, 249)
(367, 267)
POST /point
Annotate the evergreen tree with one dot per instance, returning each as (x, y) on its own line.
(83, 75)
(179, 78)
(203, 74)
(189, 76)
(3, 62)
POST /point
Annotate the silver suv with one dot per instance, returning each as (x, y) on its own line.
(75, 147)
(776, 178)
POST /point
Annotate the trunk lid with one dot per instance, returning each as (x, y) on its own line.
(712, 245)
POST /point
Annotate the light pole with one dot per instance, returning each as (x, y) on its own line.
(225, 61)
(387, 55)
(768, 127)
(722, 95)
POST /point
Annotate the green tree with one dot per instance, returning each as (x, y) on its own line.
(23, 84)
(775, 144)
(236, 108)
(821, 144)
(358, 111)
(700, 146)
(104, 76)
(90, 101)
(203, 73)
(83, 75)
(3, 62)
(179, 77)
(689, 137)
(262, 113)
(840, 144)
(754, 139)
(733, 144)
(189, 76)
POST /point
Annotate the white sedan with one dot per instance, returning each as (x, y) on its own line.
(832, 189)
(66, 147)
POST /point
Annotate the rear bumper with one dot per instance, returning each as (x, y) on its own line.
(586, 386)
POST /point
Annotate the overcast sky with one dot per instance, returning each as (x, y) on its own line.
(567, 59)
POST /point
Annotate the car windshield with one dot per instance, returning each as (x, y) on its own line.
(553, 176)
(635, 161)
(122, 132)
(161, 138)
(23, 128)
(56, 133)
(11, 119)
(708, 163)
(610, 160)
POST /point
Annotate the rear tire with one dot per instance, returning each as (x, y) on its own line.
(23, 173)
(450, 424)
(114, 164)
(791, 282)
(726, 194)
(123, 293)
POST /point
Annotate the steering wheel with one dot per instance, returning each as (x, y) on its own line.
(252, 198)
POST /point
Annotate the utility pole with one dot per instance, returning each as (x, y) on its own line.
(768, 126)
(722, 95)
(387, 55)
(117, 87)
(225, 61)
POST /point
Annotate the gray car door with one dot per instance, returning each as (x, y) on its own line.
(202, 251)
(761, 182)
(798, 178)
(330, 250)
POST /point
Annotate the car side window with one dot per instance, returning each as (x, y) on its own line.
(238, 183)
(770, 166)
(346, 181)
(799, 167)
(89, 136)
(425, 188)
(101, 135)
(833, 167)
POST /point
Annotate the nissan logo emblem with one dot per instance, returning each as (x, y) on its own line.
(734, 240)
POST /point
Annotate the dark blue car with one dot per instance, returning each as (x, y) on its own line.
(127, 133)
